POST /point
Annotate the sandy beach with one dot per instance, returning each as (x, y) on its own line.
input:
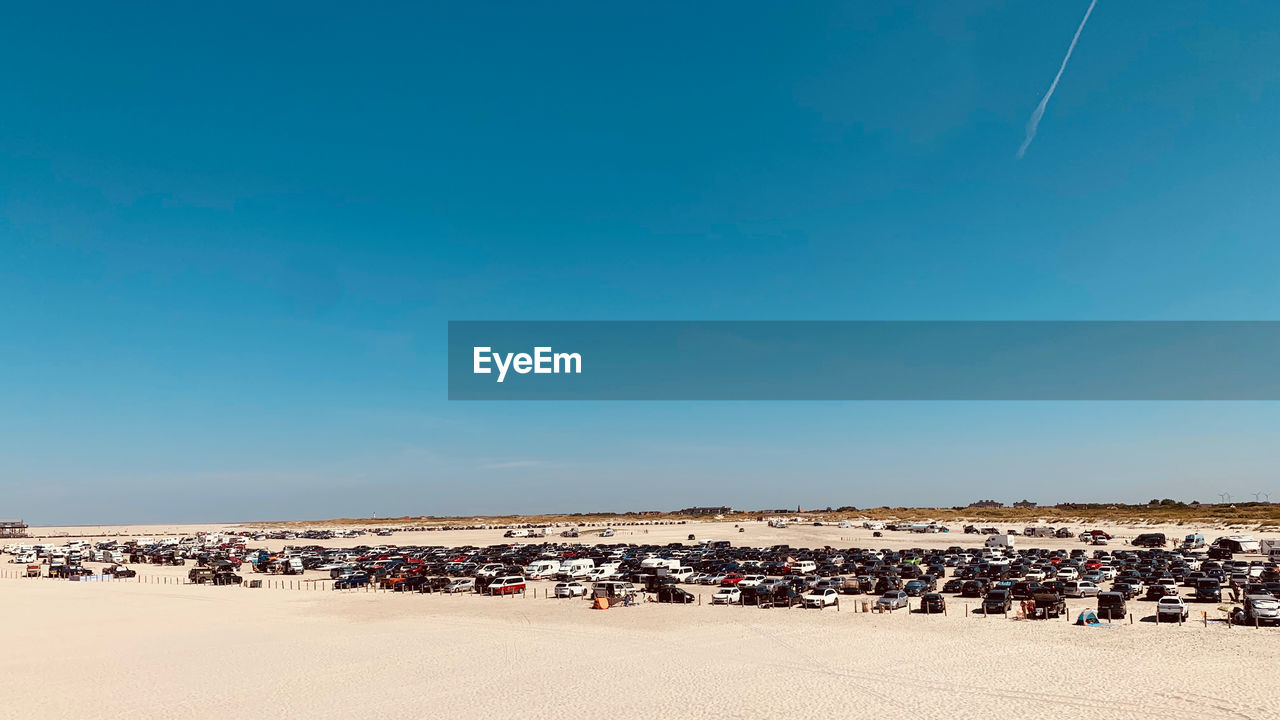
(154, 647)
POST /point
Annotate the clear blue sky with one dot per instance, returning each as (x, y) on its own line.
(232, 236)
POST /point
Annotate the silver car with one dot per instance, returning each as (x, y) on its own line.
(892, 600)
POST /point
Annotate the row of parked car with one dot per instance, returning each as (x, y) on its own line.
(774, 575)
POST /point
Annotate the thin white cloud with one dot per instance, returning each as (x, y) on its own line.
(1034, 123)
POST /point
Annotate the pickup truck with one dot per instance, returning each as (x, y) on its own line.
(1048, 605)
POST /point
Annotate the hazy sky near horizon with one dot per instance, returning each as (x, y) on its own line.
(231, 238)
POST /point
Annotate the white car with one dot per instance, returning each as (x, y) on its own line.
(1171, 607)
(1035, 574)
(570, 589)
(821, 598)
(697, 579)
(751, 580)
(726, 596)
(607, 532)
(1066, 573)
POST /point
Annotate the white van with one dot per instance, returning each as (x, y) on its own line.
(1000, 541)
(682, 573)
(803, 567)
(576, 568)
(507, 585)
(668, 563)
(542, 568)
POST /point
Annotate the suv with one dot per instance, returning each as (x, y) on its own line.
(1208, 590)
(997, 601)
(1111, 606)
(1171, 606)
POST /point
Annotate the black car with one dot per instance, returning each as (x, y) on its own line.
(997, 601)
(1111, 606)
(1127, 589)
(933, 603)
(954, 585)
(1208, 590)
(672, 594)
(1024, 589)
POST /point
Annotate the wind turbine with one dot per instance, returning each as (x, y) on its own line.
(1257, 497)
(1224, 497)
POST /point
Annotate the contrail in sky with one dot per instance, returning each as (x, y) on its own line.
(1034, 122)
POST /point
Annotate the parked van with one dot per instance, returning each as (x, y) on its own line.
(507, 585)
(576, 568)
(682, 573)
(668, 563)
(803, 567)
(542, 568)
(1000, 541)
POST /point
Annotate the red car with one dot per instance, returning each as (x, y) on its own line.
(731, 579)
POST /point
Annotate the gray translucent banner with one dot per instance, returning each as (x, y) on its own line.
(864, 360)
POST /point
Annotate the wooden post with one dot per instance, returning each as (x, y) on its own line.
(1204, 616)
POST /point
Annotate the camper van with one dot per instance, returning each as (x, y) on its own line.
(1271, 549)
(1239, 543)
(1000, 541)
(542, 568)
(804, 567)
(576, 568)
(869, 525)
(1194, 540)
(668, 563)
(1042, 531)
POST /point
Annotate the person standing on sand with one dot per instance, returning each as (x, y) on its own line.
(1235, 591)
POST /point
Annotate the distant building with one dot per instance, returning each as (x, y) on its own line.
(12, 529)
(986, 504)
(1024, 504)
(704, 511)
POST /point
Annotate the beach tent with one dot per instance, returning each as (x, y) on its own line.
(602, 603)
(1088, 617)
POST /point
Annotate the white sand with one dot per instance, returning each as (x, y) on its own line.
(146, 650)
